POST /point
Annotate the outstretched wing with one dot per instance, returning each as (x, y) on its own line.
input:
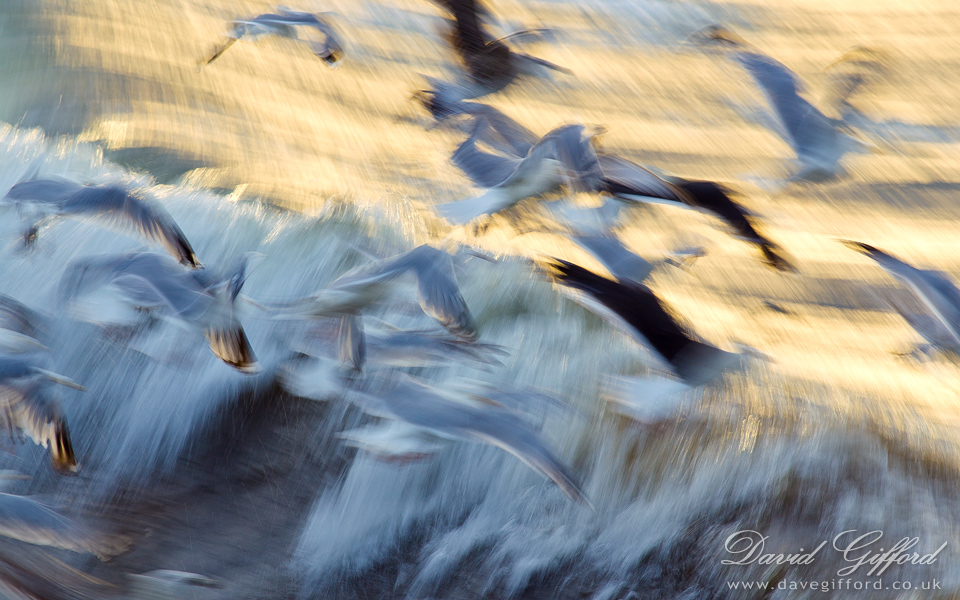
(118, 209)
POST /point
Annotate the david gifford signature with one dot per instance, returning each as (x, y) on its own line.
(859, 550)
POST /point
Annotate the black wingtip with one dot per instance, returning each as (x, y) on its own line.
(774, 258)
(232, 347)
(861, 247)
(62, 458)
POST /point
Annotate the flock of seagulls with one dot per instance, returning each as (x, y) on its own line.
(416, 419)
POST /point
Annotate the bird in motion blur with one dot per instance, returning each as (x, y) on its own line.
(437, 290)
(490, 64)
(106, 289)
(818, 141)
(933, 289)
(633, 308)
(287, 23)
(41, 201)
(428, 415)
(520, 166)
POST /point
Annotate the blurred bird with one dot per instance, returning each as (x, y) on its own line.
(437, 291)
(146, 281)
(287, 23)
(633, 308)
(933, 288)
(41, 201)
(818, 141)
(489, 63)
(459, 415)
(563, 156)
(587, 170)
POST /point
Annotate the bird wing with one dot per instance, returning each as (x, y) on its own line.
(16, 316)
(437, 289)
(116, 208)
(622, 264)
(715, 199)
(457, 417)
(807, 128)
(508, 132)
(30, 521)
(51, 191)
(575, 152)
(34, 412)
(636, 305)
(484, 169)
(629, 180)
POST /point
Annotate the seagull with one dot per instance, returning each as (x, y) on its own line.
(148, 281)
(630, 181)
(461, 416)
(42, 200)
(29, 408)
(490, 64)
(587, 170)
(29, 521)
(818, 141)
(564, 156)
(437, 290)
(635, 309)
(933, 288)
(287, 23)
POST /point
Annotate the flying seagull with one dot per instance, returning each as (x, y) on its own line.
(818, 141)
(490, 64)
(933, 288)
(43, 200)
(635, 309)
(437, 290)
(562, 157)
(457, 415)
(584, 169)
(147, 281)
(287, 23)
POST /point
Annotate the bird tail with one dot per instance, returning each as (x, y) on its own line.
(464, 211)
